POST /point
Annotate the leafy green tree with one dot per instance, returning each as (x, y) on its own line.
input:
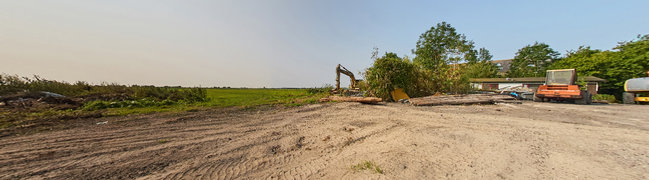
(442, 45)
(637, 54)
(631, 60)
(482, 68)
(484, 55)
(439, 51)
(532, 60)
(391, 71)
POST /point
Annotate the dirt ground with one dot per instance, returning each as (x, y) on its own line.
(322, 141)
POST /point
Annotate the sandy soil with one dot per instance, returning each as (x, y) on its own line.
(322, 141)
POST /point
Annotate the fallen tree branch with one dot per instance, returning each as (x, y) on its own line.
(367, 100)
(459, 99)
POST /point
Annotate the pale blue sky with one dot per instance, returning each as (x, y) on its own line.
(283, 43)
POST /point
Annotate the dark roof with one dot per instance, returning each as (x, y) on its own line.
(502, 60)
(503, 65)
(529, 79)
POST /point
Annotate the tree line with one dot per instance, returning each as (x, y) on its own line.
(445, 60)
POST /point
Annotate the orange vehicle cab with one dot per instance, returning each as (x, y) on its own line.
(560, 86)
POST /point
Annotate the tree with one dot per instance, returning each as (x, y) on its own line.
(532, 60)
(442, 45)
(637, 54)
(631, 60)
(439, 51)
(484, 55)
(391, 71)
(482, 68)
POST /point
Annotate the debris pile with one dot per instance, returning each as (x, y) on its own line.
(38, 100)
(460, 99)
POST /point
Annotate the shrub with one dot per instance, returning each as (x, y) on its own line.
(12, 84)
(104, 95)
(609, 98)
(324, 89)
(390, 72)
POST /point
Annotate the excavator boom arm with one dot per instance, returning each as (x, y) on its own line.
(343, 70)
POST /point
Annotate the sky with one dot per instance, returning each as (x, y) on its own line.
(278, 43)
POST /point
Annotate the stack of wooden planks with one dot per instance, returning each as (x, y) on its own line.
(366, 100)
(460, 99)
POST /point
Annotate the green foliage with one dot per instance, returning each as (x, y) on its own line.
(483, 68)
(256, 97)
(215, 98)
(442, 45)
(439, 52)
(631, 60)
(532, 61)
(607, 97)
(444, 62)
(367, 165)
(97, 105)
(390, 72)
(174, 94)
(11, 84)
(321, 90)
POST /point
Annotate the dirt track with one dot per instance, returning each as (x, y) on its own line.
(321, 141)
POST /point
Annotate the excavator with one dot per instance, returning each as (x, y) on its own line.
(341, 69)
(560, 86)
(635, 88)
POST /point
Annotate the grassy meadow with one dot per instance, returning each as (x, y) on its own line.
(245, 98)
(118, 100)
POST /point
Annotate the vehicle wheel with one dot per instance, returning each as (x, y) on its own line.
(585, 96)
(589, 100)
(536, 99)
(628, 98)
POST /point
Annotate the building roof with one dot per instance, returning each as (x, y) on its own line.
(503, 65)
(528, 80)
(502, 60)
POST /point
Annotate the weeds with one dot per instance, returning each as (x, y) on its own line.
(13, 84)
(117, 100)
(609, 98)
(324, 89)
(367, 165)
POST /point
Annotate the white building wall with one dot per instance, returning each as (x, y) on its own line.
(477, 85)
(506, 85)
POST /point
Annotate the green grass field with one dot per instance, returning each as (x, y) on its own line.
(253, 97)
(217, 98)
(234, 98)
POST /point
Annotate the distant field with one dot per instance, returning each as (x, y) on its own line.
(235, 97)
(253, 97)
(217, 98)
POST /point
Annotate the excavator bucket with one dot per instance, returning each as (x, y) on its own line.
(398, 94)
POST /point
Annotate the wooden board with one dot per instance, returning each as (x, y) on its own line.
(459, 99)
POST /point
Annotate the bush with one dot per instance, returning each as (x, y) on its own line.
(12, 84)
(104, 95)
(97, 105)
(390, 72)
(609, 98)
(324, 89)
